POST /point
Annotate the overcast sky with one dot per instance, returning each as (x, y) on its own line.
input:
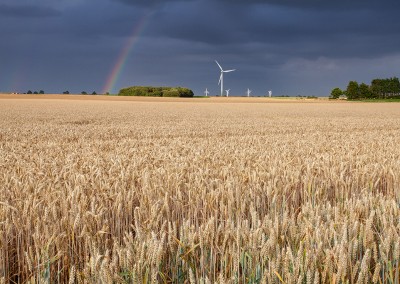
(292, 47)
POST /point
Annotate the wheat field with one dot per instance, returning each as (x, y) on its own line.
(198, 191)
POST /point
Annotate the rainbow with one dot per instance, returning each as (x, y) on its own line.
(122, 58)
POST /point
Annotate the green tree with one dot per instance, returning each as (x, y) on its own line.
(29, 92)
(83, 93)
(41, 92)
(377, 88)
(382, 88)
(394, 86)
(35, 92)
(94, 93)
(353, 90)
(66, 92)
(365, 91)
(336, 93)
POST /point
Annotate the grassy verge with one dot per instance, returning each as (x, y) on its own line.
(378, 100)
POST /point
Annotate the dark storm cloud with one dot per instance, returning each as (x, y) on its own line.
(313, 28)
(320, 4)
(272, 43)
(150, 2)
(29, 11)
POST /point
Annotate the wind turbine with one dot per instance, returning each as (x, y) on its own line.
(227, 92)
(221, 78)
(206, 92)
(248, 92)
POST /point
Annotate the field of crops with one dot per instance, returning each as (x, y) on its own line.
(198, 191)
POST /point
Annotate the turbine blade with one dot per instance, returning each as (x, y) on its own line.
(229, 71)
(219, 65)
(220, 78)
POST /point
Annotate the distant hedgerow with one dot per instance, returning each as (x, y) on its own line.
(149, 91)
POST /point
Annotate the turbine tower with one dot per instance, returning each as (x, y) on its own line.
(248, 92)
(221, 78)
(206, 92)
(227, 92)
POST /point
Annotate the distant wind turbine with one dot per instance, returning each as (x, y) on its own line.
(221, 78)
(248, 92)
(206, 92)
(227, 92)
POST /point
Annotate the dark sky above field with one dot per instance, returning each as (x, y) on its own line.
(292, 47)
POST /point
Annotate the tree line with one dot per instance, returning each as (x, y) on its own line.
(150, 91)
(29, 92)
(35, 92)
(378, 89)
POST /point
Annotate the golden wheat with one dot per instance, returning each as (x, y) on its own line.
(203, 191)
